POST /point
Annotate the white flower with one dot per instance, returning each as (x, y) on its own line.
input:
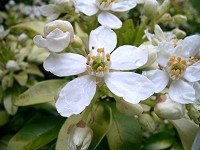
(58, 36)
(179, 65)
(100, 67)
(104, 9)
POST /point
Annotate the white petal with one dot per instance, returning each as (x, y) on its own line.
(57, 40)
(49, 11)
(192, 73)
(132, 87)
(158, 77)
(122, 6)
(197, 89)
(88, 7)
(76, 95)
(189, 46)
(102, 37)
(40, 41)
(182, 92)
(65, 64)
(128, 57)
(109, 20)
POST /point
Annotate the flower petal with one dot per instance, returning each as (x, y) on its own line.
(57, 40)
(39, 41)
(182, 92)
(158, 77)
(109, 20)
(49, 11)
(102, 37)
(132, 87)
(197, 89)
(76, 95)
(88, 7)
(128, 57)
(192, 73)
(65, 64)
(122, 6)
(189, 46)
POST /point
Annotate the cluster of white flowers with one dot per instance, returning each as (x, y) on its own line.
(178, 68)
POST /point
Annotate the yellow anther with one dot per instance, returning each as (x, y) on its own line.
(105, 69)
(93, 57)
(89, 68)
(100, 69)
(108, 57)
(100, 50)
(93, 47)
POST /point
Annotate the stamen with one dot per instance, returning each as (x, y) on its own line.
(108, 57)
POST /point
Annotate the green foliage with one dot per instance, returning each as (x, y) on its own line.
(36, 133)
(125, 133)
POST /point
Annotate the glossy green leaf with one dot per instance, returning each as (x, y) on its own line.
(41, 92)
(8, 104)
(187, 131)
(36, 133)
(125, 133)
(101, 125)
(33, 69)
(36, 26)
(62, 140)
(161, 140)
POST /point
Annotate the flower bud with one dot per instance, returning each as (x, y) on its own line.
(77, 42)
(147, 122)
(22, 38)
(150, 8)
(80, 136)
(12, 65)
(168, 109)
(128, 108)
(194, 114)
(166, 18)
(180, 34)
(163, 7)
(179, 19)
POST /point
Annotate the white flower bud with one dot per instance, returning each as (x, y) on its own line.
(180, 34)
(179, 19)
(147, 122)
(194, 114)
(22, 38)
(128, 108)
(168, 109)
(151, 8)
(12, 65)
(80, 136)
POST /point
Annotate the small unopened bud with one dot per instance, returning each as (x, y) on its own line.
(180, 34)
(166, 18)
(150, 8)
(147, 122)
(22, 38)
(168, 109)
(12, 65)
(77, 42)
(80, 136)
(194, 114)
(128, 108)
(179, 19)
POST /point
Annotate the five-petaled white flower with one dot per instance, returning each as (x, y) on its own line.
(58, 34)
(180, 68)
(100, 67)
(104, 9)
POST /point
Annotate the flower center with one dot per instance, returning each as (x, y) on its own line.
(98, 65)
(104, 4)
(176, 67)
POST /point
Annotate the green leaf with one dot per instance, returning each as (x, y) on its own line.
(41, 92)
(187, 131)
(62, 141)
(33, 69)
(8, 104)
(125, 35)
(21, 78)
(36, 133)
(4, 117)
(36, 26)
(125, 133)
(101, 125)
(161, 140)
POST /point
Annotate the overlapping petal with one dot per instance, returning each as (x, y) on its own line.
(109, 20)
(182, 92)
(158, 77)
(102, 37)
(65, 64)
(132, 87)
(124, 5)
(192, 73)
(87, 7)
(128, 57)
(76, 95)
(40, 41)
